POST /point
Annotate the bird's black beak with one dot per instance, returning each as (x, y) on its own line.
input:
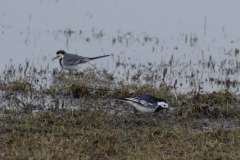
(167, 109)
(54, 58)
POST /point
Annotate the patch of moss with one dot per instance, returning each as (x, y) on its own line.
(79, 90)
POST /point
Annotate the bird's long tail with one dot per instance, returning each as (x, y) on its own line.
(99, 57)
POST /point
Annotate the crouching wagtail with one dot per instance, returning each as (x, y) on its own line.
(146, 103)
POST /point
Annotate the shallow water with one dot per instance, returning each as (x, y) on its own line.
(136, 33)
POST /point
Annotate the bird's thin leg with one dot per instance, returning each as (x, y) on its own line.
(76, 74)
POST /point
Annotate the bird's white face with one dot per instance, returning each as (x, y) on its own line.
(58, 56)
(163, 104)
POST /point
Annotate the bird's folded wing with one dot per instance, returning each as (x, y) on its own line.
(145, 103)
(138, 100)
(76, 60)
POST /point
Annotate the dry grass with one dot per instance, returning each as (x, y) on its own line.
(71, 119)
(50, 135)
